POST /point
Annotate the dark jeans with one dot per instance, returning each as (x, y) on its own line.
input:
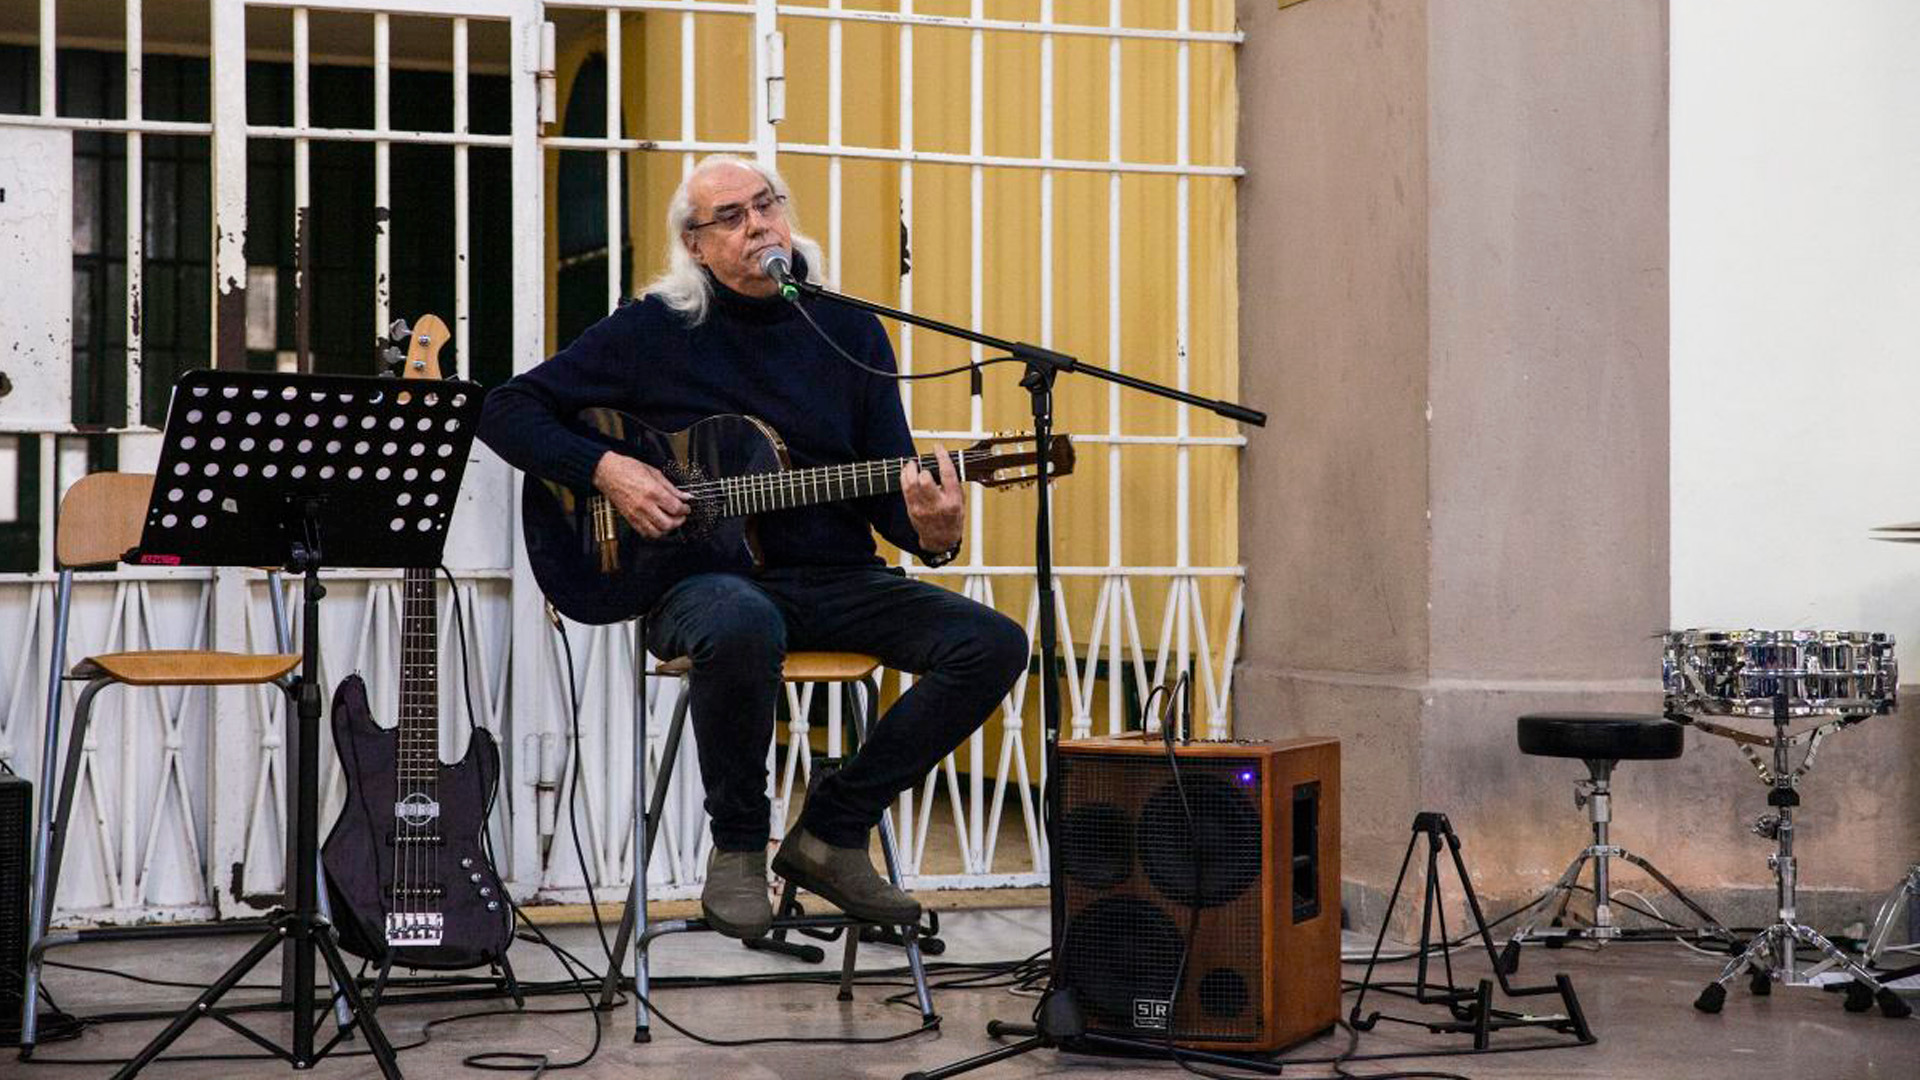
(737, 631)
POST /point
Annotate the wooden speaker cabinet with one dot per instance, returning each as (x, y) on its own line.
(1256, 876)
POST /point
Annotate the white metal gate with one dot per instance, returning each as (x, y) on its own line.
(200, 833)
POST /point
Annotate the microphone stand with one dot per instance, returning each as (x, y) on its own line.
(1058, 1018)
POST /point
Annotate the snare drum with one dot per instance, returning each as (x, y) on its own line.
(1738, 672)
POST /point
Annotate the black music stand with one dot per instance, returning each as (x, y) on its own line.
(261, 469)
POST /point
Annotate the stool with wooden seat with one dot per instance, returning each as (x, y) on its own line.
(100, 518)
(1602, 740)
(851, 672)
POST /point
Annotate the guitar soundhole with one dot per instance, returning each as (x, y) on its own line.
(704, 513)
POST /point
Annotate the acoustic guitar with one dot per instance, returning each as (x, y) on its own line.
(596, 568)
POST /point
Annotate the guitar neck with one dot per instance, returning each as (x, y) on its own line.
(418, 751)
(761, 493)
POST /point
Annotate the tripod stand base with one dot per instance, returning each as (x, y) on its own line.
(1059, 1019)
(980, 1061)
(1762, 959)
(303, 933)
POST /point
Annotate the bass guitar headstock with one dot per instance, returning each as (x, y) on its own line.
(1004, 460)
(421, 358)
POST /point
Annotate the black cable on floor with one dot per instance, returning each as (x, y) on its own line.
(508, 1060)
(928, 1024)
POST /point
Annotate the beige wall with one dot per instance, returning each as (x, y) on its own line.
(1454, 254)
(1334, 336)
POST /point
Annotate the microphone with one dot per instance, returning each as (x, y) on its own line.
(776, 264)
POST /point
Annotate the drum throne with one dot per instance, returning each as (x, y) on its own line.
(1601, 740)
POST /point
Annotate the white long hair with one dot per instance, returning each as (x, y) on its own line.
(684, 285)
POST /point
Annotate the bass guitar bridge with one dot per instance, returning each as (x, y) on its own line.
(414, 928)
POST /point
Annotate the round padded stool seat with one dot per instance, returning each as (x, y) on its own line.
(1610, 736)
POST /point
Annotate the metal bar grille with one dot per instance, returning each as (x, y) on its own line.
(1108, 592)
(998, 775)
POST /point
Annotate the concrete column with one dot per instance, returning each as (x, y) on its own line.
(1453, 241)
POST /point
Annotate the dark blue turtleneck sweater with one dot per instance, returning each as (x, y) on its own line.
(750, 356)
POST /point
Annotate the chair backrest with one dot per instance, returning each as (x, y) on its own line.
(101, 516)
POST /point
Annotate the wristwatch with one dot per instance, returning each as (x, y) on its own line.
(935, 561)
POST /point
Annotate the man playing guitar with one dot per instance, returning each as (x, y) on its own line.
(711, 336)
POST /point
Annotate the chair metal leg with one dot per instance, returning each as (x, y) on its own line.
(40, 906)
(643, 838)
(52, 844)
(849, 957)
(633, 922)
(635, 926)
(909, 934)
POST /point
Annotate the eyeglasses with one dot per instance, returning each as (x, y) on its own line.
(768, 205)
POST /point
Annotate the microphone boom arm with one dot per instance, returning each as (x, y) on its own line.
(1032, 355)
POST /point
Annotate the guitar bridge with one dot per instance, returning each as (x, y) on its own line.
(415, 929)
(604, 535)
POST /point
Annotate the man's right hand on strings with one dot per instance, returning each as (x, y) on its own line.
(641, 494)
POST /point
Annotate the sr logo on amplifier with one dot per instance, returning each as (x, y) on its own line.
(1151, 1014)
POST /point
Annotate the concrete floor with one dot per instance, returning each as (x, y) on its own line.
(1636, 997)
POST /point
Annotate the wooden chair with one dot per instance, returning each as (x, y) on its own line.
(851, 672)
(100, 518)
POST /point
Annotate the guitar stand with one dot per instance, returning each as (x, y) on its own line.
(504, 983)
(1472, 1011)
(254, 467)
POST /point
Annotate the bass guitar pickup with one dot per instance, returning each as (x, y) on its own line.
(417, 840)
(414, 892)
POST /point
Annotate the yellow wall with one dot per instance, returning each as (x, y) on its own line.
(940, 241)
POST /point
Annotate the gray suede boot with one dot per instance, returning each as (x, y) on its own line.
(734, 900)
(844, 877)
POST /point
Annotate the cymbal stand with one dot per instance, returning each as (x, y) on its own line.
(1770, 954)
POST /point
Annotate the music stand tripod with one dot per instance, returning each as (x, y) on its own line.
(1058, 1018)
(262, 468)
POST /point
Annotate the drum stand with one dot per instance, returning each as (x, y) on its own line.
(1770, 954)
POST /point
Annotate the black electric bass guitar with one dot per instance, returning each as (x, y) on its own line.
(595, 568)
(409, 878)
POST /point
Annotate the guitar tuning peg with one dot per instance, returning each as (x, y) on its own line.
(399, 331)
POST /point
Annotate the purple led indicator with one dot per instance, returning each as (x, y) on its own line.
(1246, 776)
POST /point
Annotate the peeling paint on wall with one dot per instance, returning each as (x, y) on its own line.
(36, 277)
